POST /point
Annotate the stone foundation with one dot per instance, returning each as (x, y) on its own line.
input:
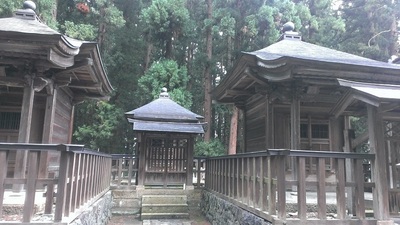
(221, 212)
(98, 213)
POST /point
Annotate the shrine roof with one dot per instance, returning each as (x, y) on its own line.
(164, 114)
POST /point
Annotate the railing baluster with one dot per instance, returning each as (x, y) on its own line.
(3, 175)
(32, 168)
(321, 190)
(359, 189)
(281, 186)
(340, 189)
(272, 163)
(70, 184)
(62, 183)
(301, 190)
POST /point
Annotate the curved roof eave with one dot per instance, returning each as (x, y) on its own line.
(98, 63)
(272, 55)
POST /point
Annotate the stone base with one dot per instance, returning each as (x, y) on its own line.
(219, 211)
(384, 222)
(98, 213)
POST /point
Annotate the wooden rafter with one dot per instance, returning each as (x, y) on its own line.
(78, 66)
(342, 104)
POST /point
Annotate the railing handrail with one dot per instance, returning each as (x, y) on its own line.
(124, 156)
(299, 153)
(51, 147)
(33, 146)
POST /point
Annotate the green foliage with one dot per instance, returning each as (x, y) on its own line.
(370, 28)
(100, 124)
(46, 12)
(211, 148)
(80, 31)
(7, 7)
(164, 22)
(359, 125)
(166, 73)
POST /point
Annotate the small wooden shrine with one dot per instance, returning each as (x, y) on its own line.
(165, 133)
(43, 75)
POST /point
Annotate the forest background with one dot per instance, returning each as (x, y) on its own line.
(188, 46)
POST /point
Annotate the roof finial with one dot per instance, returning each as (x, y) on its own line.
(289, 26)
(288, 32)
(164, 93)
(28, 12)
(29, 5)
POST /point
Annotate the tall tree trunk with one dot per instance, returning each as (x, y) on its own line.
(148, 56)
(235, 110)
(233, 132)
(393, 34)
(168, 48)
(102, 28)
(207, 76)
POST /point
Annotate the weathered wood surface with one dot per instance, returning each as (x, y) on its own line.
(258, 182)
(83, 177)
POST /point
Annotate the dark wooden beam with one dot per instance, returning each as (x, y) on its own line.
(77, 66)
(83, 97)
(238, 92)
(13, 82)
(85, 85)
(345, 101)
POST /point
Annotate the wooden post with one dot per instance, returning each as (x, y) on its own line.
(142, 142)
(349, 169)
(189, 167)
(294, 133)
(31, 180)
(47, 130)
(71, 124)
(62, 183)
(269, 125)
(379, 172)
(24, 133)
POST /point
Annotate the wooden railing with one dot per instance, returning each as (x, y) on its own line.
(260, 182)
(124, 171)
(83, 177)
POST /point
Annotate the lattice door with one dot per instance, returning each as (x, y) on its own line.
(166, 161)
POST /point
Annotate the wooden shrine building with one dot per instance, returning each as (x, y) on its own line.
(165, 133)
(43, 75)
(300, 96)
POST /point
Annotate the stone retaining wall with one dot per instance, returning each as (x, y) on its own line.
(98, 213)
(221, 212)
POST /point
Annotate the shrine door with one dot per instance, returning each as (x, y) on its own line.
(166, 161)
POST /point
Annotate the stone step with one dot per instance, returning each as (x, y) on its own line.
(124, 193)
(164, 199)
(147, 216)
(125, 202)
(163, 192)
(164, 208)
(125, 211)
